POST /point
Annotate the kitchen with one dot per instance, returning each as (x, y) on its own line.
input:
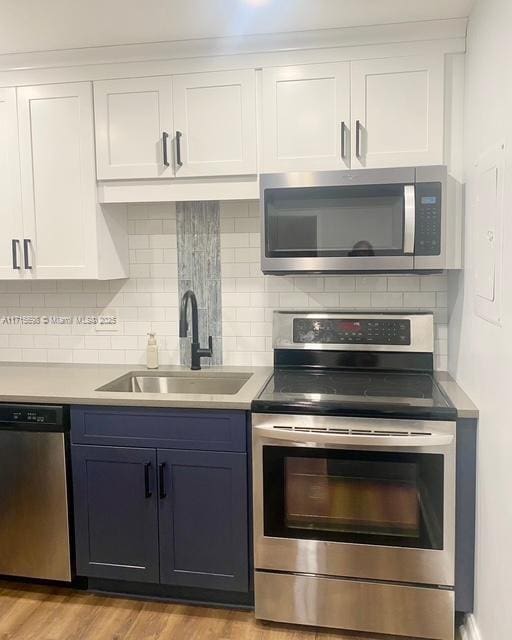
(253, 319)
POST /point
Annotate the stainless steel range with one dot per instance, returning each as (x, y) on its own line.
(354, 477)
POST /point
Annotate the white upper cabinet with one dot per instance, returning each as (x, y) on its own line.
(397, 111)
(133, 128)
(306, 117)
(10, 199)
(62, 224)
(215, 123)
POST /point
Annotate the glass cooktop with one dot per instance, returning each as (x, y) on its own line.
(330, 390)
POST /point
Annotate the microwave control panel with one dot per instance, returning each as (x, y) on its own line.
(428, 219)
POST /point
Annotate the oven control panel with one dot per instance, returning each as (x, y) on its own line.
(389, 331)
(428, 219)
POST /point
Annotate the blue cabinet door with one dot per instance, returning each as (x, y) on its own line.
(203, 519)
(116, 512)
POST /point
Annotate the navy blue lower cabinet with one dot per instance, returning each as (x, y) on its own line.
(116, 512)
(203, 519)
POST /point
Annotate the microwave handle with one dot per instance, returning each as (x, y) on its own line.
(409, 218)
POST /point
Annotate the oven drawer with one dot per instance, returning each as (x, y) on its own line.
(355, 605)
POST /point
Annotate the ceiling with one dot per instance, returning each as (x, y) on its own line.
(37, 25)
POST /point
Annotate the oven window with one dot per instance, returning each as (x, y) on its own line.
(392, 499)
(335, 221)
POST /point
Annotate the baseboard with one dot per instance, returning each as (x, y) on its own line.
(469, 630)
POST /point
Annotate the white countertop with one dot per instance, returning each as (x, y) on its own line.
(77, 384)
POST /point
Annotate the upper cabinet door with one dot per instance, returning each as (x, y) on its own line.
(133, 120)
(10, 200)
(215, 123)
(306, 117)
(58, 180)
(397, 112)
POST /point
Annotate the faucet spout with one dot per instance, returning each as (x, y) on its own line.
(189, 296)
(196, 351)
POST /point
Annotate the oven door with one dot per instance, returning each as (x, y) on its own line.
(339, 221)
(354, 497)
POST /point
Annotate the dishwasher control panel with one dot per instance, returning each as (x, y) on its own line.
(28, 415)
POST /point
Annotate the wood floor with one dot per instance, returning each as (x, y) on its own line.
(44, 613)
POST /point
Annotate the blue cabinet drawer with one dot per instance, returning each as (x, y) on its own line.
(203, 430)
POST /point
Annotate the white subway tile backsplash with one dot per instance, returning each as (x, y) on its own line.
(324, 300)
(246, 254)
(420, 300)
(434, 283)
(294, 300)
(148, 299)
(34, 355)
(355, 300)
(250, 314)
(403, 283)
(340, 283)
(387, 299)
(371, 283)
(21, 341)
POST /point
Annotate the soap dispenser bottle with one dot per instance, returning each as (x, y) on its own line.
(152, 352)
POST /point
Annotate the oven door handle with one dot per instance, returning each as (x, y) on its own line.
(409, 219)
(365, 441)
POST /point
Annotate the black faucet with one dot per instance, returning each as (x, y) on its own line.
(197, 351)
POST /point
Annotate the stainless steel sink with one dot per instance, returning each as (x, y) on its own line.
(214, 383)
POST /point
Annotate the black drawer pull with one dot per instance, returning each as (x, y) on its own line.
(358, 138)
(179, 161)
(15, 253)
(165, 135)
(343, 140)
(161, 480)
(147, 488)
(26, 253)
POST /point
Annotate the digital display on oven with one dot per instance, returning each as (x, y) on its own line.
(349, 326)
(352, 331)
(429, 200)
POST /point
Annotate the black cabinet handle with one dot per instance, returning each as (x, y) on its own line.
(26, 253)
(147, 488)
(161, 480)
(343, 140)
(165, 136)
(15, 253)
(358, 138)
(179, 161)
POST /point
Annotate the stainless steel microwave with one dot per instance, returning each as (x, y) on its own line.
(399, 219)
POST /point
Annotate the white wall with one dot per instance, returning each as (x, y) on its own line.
(37, 25)
(480, 352)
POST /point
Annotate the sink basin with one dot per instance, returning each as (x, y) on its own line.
(214, 383)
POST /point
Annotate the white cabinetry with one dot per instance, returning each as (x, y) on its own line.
(60, 230)
(133, 128)
(370, 113)
(215, 121)
(306, 116)
(398, 111)
(204, 126)
(10, 197)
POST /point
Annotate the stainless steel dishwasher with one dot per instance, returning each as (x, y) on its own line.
(34, 517)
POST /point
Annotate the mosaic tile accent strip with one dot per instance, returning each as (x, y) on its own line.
(198, 238)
